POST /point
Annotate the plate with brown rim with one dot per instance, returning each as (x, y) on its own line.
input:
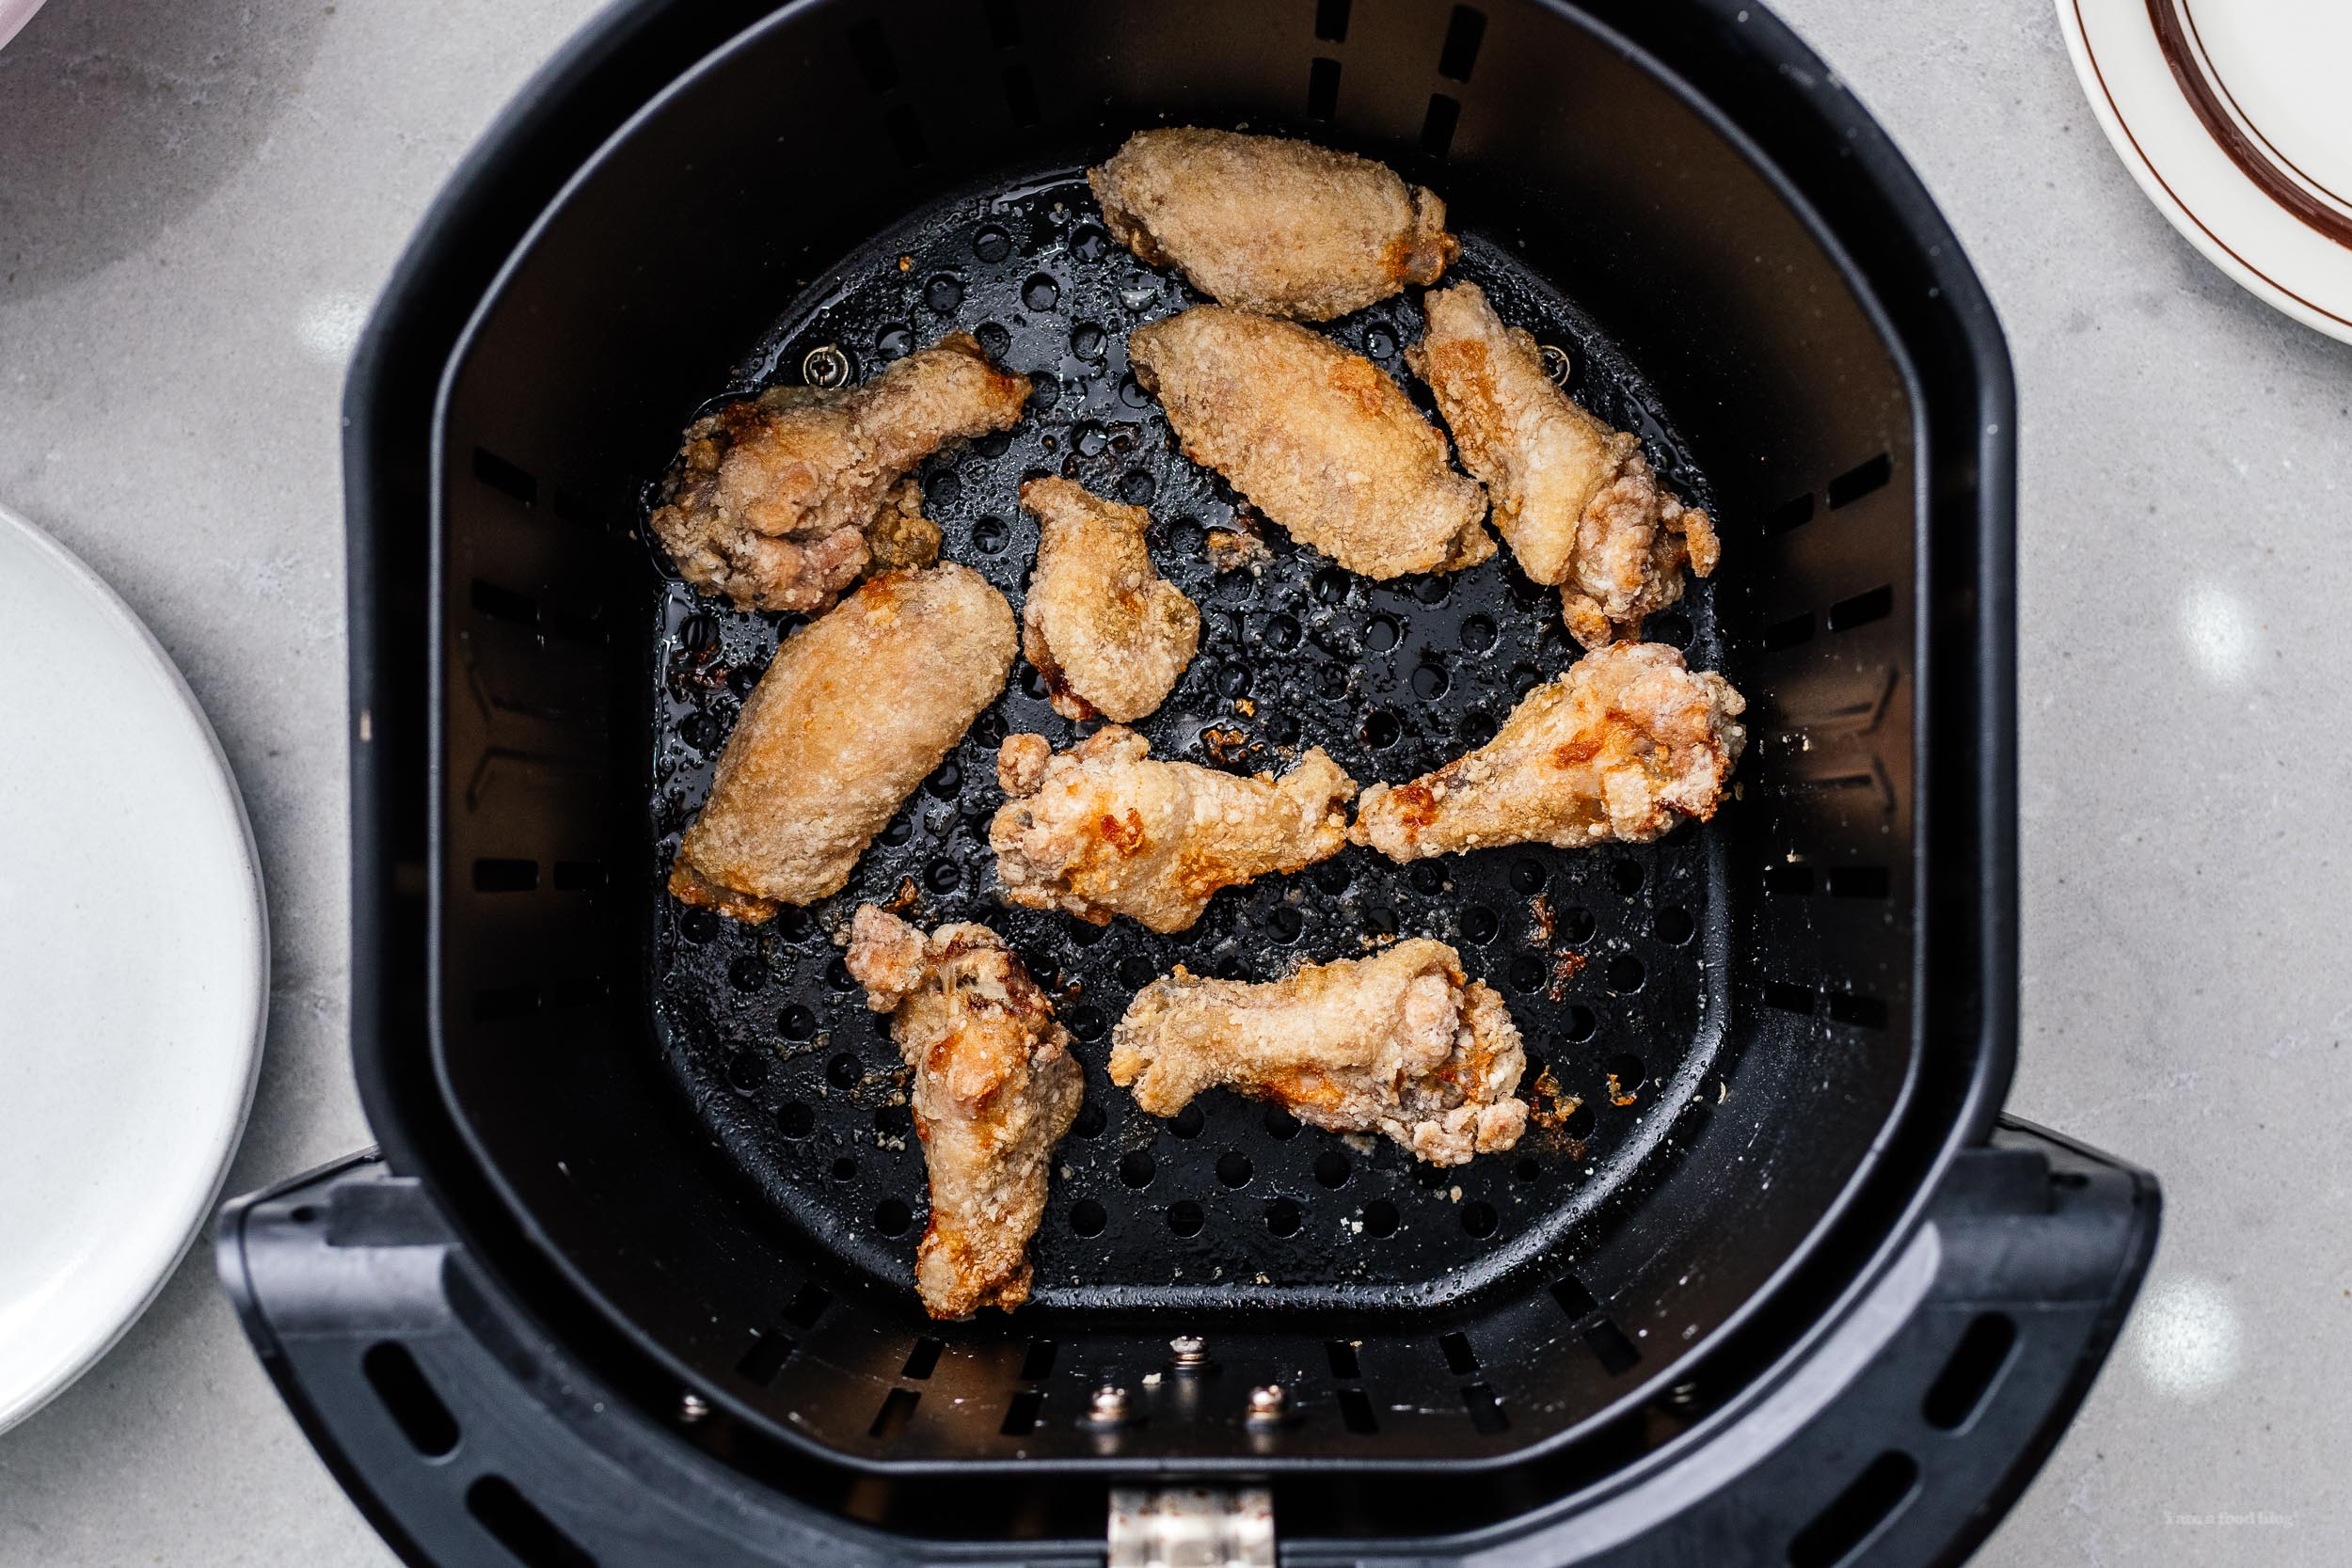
(2235, 117)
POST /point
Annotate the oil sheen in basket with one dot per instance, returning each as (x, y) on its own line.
(1599, 954)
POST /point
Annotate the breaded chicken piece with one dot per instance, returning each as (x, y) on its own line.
(1620, 749)
(1108, 633)
(1319, 439)
(782, 502)
(996, 1087)
(1261, 223)
(1103, 831)
(816, 765)
(1400, 1043)
(1576, 501)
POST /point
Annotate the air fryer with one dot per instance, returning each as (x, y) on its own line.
(629, 1281)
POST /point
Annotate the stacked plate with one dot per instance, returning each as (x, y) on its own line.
(2234, 117)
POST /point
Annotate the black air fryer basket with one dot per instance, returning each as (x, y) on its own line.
(631, 1281)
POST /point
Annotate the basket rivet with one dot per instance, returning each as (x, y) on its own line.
(1108, 1406)
(825, 367)
(693, 1408)
(1556, 364)
(1189, 1349)
(1268, 1403)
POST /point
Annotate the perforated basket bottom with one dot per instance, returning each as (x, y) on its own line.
(1601, 956)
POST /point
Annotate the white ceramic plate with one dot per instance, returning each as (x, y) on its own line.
(2236, 118)
(134, 968)
(13, 15)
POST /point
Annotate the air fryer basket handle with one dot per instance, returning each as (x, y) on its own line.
(1906, 1434)
(465, 1435)
(1901, 1437)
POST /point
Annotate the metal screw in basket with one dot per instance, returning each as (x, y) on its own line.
(693, 1408)
(1108, 1406)
(1190, 1350)
(825, 367)
(1268, 1403)
(1556, 364)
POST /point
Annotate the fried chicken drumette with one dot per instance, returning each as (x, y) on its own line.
(1103, 831)
(815, 765)
(1319, 439)
(996, 1087)
(1265, 224)
(1400, 1043)
(1620, 749)
(1577, 502)
(1108, 633)
(783, 501)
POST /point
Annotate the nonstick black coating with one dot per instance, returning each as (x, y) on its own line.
(766, 1033)
(1826, 355)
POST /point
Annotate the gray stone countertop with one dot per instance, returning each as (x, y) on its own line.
(198, 199)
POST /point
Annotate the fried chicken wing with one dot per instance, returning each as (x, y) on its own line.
(1103, 831)
(815, 765)
(1319, 439)
(1400, 1043)
(1108, 633)
(996, 1087)
(1262, 223)
(782, 502)
(1576, 501)
(1621, 748)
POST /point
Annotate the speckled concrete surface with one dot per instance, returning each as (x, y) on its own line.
(198, 198)
(2185, 470)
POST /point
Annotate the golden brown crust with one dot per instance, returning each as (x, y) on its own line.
(1267, 224)
(1401, 1043)
(995, 1088)
(901, 538)
(1103, 831)
(773, 499)
(1021, 763)
(815, 765)
(1622, 747)
(1110, 635)
(689, 886)
(1577, 502)
(1319, 439)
